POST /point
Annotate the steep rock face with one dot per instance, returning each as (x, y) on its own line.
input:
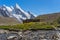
(15, 12)
(31, 16)
(3, 12)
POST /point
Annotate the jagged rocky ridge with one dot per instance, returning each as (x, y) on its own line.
(15, 12)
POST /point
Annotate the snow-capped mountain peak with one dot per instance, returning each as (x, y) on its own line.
(4, 7)
(8, 8)
(25, 13)
(16, 12)
(17, 6)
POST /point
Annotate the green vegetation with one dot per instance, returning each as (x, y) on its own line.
(32, 25)
(28, 26)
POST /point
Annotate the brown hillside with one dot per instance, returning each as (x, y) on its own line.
(48, 17)
(8, 20)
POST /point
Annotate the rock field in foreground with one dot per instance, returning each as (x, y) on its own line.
(30, 35)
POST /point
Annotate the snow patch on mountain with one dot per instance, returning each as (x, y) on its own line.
(17, 17)
(8, 8)
(12, 7)
(18, 7)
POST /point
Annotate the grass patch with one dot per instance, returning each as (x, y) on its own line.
(27, 26)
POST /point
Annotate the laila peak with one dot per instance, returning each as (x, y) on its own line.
(15, 12)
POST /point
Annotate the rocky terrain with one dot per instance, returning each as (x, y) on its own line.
(30, 35)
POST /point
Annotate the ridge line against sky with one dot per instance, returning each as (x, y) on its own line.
(37, 7)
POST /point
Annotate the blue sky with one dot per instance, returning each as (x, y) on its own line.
(37, 7)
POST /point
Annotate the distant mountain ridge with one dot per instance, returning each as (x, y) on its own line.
(48, 17)
(15, 12)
